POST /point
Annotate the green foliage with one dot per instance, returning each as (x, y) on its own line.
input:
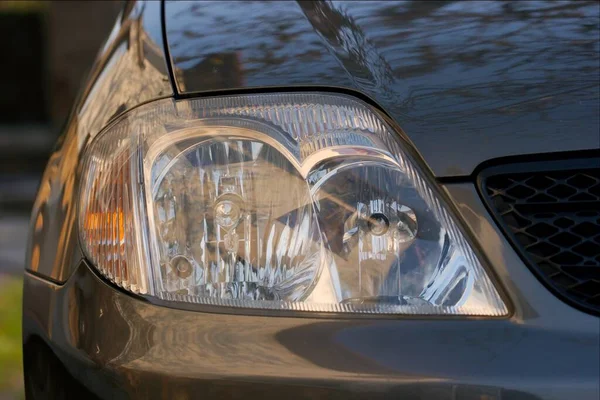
(23, 6)
(11, 367)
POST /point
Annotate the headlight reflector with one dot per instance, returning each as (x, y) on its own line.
(289, 201)
(245, 237)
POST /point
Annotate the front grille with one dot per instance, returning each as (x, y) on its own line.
(553, 218)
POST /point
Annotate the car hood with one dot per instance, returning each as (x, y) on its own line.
(466, 81)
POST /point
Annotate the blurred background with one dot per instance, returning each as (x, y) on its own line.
(47, 50)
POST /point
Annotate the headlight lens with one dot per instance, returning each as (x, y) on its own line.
(290, 202)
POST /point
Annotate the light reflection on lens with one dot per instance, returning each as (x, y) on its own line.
(240, 211)
(381, 248)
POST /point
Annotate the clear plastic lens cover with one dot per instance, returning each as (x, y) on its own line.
(289, 202)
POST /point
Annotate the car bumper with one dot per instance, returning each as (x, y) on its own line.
(103, 342)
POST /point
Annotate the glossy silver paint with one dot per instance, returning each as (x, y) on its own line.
(467, 81)
(545, 350)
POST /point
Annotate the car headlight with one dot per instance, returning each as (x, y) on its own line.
(291, 201)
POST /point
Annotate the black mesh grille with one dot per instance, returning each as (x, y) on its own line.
(553, 217)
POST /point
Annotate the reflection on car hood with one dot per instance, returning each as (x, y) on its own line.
(466, 81)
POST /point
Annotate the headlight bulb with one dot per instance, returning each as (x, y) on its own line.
(378, 224)
(228, 210)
